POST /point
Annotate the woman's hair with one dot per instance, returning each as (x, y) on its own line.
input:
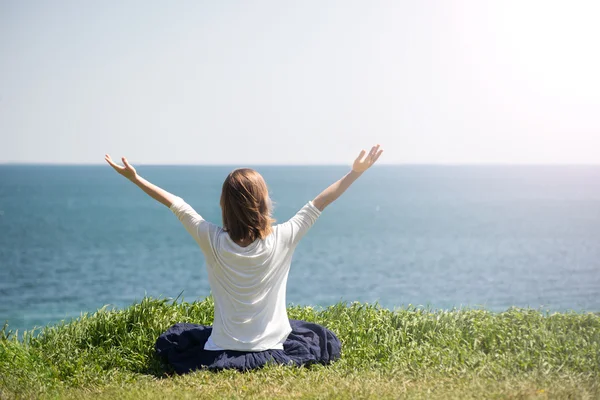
(246, 205)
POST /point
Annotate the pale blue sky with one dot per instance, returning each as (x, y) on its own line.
(282, 82)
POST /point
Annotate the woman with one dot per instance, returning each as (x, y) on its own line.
(248, 261)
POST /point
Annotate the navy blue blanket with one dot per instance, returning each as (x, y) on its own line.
(182, 347)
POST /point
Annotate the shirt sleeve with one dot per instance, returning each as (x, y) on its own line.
(299, 224)
(196, 226)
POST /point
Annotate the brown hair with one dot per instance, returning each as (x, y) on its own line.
(246, 205)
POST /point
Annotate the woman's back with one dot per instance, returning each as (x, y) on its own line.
(248, 283)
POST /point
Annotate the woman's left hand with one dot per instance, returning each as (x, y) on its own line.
(361, 165)
(127, 171)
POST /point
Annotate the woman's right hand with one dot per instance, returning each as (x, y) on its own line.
(361, 165)
(127, 171)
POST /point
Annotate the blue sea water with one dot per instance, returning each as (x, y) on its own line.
(74, 238)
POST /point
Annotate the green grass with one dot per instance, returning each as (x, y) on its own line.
(410, 352)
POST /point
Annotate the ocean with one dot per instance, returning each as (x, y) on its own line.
(76, 238)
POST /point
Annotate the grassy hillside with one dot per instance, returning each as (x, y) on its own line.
(410, 352)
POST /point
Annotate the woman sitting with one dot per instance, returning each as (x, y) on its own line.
(248, 261)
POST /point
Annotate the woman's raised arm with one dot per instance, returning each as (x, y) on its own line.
(360, 165)
(158, 194)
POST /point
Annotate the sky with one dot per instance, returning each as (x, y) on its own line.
(303, 82)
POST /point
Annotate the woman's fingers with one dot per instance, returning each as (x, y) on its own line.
(373, 150)
(373, 153)
(116, 166)
(111, 162)
(377, 155)
(126, 163)
(360, 156)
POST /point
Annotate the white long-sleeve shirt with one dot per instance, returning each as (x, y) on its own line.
(248, 284)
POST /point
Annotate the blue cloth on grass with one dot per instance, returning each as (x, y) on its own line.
(182, 347)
